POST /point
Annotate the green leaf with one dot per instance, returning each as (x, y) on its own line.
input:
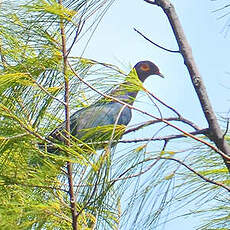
(52, 7)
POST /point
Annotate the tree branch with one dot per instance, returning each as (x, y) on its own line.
(181, 119)
(215, 132)
(161, 47)
(222, 8)
(198, 174)
(165, 138)
(67, 118)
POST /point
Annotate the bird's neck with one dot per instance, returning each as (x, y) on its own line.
(126, 92)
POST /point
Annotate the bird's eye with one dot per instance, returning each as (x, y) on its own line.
(145, 67)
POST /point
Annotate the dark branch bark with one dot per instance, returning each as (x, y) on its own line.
(147, 123)
(165, 138)
(161, 47)
(215, 132)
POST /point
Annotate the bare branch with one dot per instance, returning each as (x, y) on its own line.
(227, 127)
(161, 47)
(198, 174)
(165, 138)
(222, 8)
(157, 107)
(147, 123)
(137, 174)
(79, 29)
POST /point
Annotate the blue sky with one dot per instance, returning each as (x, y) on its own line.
(116, 42)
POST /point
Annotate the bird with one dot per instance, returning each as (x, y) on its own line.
(106, 112)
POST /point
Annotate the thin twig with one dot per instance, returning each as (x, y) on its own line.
(198, 174)
(165, 144)
(224, 7)
(147, 123)
(161, 47)
(48, 93)
(156, 159)
(223, 16)
(155, 104)
(165, 138)
(89, 200)
(79, 29)
(227, 127)
(137, 174)
(114, 126)
(159, 100)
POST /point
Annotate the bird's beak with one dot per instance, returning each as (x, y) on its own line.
(161, 75)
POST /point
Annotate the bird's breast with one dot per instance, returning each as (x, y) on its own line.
(125, 115)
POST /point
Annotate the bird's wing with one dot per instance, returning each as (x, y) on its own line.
(99, 114)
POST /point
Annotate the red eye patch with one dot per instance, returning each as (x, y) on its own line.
(145, 67)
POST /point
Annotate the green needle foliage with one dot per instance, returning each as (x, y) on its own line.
(139, 187)
(33, 184)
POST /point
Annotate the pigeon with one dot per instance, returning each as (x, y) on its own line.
(96, 122)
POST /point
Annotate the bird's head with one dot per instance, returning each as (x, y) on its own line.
(146, 68)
